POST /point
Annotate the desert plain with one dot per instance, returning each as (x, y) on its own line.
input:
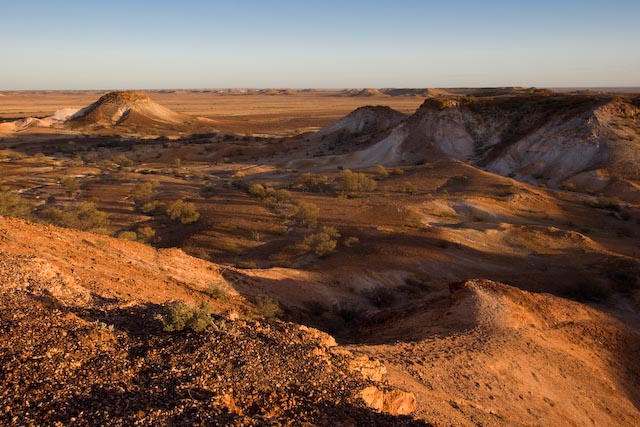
(445, 257)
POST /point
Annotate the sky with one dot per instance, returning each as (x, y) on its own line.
(94, 44)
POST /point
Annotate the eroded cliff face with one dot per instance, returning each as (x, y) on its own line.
(592, 142)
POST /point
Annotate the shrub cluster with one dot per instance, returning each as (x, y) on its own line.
(183, 212)
(356, 183)
(323, 242)
(81, 216)
(12, 204)
(182, 316)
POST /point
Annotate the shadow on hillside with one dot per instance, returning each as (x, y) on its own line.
(150, 377)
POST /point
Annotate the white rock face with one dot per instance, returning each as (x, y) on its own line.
(550, 139)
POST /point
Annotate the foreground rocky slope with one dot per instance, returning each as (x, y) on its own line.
(80, 348)
(84, 347)
(500, 356)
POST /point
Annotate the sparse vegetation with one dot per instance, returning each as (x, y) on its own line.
(409, 188)
(12, 204)
(182, 316)
(183, 212)
(351, 241)
(382, 171)
(313, 183)
(128, 235)
(71, 185)
(81, 216)
(353, 183)
(611, 203)
(323, 242)
(306, 214)
(144, 196)
(146, 234)
(268, 307)
(218, 290)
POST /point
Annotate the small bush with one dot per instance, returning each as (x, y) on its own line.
(313, 183)
(382, 171)
(144, 195)
(611, 203)
(351, 241)
(122, 161)
(12, 204)
(146, 234)
(81, 216)
(182, 316)
(257, 190)
(397, 171)
(183, 212)
(218, 290)
(355, 183)
(569, 186)
(71, 185)
(323, 242)
(306, 214)
(409, 188)
(268, 307)
(128, 235)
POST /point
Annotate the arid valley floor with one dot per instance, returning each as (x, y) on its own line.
(458, 257)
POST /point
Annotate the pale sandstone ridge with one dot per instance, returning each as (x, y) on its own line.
(590, 142)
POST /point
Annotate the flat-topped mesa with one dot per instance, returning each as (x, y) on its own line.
(439, 104)
(123, 97)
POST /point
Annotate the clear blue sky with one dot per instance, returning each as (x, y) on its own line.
(69, 44)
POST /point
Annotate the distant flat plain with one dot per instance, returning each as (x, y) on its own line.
(257, 113)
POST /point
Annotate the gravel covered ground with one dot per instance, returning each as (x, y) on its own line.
(114, 366)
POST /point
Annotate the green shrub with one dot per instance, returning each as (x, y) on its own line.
(218, 290)
(183, 212)
(122, 161)
(351, 241)
(81, 216)
(128, 235)
(257, 190)
(71, 185)
(306, 214)
(182, 316)
(12, 204)
(356, 182)
(313, 183)
(268, 307)
(409, 188)
(382, 171)
(611, 203)
(323, 242)
(144, 195)
(146, 234)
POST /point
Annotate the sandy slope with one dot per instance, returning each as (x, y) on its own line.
(499, 356)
